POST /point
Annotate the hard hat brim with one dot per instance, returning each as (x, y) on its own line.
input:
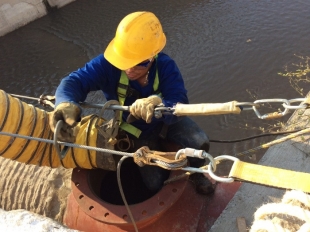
(119, 61)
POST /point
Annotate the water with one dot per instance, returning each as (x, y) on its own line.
(226, 50)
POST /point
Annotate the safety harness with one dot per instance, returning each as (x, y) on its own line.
(123, 91)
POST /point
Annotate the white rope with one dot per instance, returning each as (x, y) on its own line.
(291, 214)
(305, 227)
(279, 208)
(269, 226)
(295, 195)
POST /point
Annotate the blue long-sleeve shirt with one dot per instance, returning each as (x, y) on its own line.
(99, 74)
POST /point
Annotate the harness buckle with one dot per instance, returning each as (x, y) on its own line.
(124, 144)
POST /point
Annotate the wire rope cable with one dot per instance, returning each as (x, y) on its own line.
(253, 137)
(119, 182)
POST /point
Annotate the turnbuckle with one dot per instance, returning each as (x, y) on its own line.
(243, 104)
(161, 109)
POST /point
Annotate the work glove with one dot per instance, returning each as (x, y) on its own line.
(144, 108)
(71, 115)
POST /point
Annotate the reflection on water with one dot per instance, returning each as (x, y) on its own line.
(226, 50)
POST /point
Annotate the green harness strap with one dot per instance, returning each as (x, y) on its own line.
(122, 93)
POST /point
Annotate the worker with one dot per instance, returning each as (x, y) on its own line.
(135, 72)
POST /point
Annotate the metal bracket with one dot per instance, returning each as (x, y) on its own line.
(109, 129)
(61, 153)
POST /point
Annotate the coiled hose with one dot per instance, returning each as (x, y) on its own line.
(18, 117)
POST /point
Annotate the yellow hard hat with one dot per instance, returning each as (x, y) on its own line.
(139, 37)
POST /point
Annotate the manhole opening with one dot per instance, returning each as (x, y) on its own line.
(104, 184)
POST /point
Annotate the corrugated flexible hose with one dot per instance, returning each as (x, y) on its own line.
(18, 117)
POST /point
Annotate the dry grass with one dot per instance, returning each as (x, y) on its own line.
(300, 77)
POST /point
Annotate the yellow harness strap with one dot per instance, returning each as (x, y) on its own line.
(270, 176)
(122, 91)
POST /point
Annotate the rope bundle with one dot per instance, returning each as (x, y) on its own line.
(291, 214)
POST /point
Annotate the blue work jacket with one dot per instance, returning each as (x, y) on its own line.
(99, 74)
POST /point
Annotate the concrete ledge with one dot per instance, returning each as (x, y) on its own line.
(291, 155)
(59, 3)
(17, 13)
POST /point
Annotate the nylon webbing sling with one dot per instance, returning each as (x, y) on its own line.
(270, 176)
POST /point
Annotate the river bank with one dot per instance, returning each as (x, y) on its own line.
(17, 13)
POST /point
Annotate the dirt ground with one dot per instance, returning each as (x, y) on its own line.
(41, 190)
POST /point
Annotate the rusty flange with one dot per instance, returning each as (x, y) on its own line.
(144, 213)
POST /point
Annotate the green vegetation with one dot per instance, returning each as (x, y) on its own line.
(300, 77)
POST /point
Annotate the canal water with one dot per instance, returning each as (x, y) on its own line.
(226, 50)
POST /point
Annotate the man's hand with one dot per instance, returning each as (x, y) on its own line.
(144, 107)
(71, 115)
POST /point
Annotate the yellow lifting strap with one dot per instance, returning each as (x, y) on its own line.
(270, 176)
(121, 92)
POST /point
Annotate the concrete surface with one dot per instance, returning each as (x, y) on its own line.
(22, 220)
(290, 155)
(17, 13)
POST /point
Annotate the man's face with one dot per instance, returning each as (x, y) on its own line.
(138, 71)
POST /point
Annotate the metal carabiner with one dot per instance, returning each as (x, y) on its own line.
(301, 106)
(274, 114)
(201, 154)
